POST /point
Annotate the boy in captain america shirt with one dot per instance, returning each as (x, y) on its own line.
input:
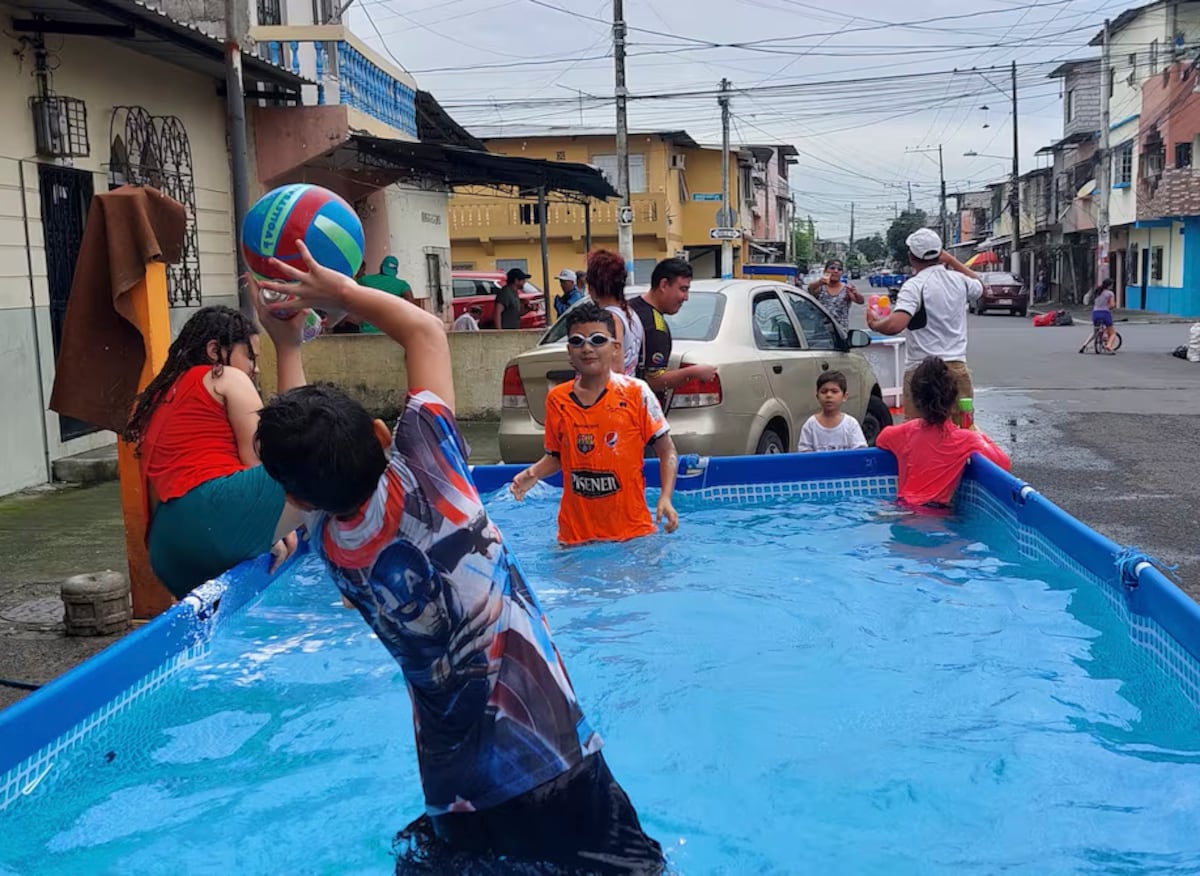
(509, 765)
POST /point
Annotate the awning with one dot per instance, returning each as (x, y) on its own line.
(146, 30)
(993, 242)
(371, 163)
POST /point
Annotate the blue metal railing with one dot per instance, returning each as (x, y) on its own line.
(374, 91)
(345, 75)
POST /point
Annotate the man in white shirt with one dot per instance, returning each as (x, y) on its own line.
(469, 321)
(932, 309)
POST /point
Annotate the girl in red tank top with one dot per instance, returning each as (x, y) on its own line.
(209, 504)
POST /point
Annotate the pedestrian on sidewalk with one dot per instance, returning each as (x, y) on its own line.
(931, 309)
(834, 295)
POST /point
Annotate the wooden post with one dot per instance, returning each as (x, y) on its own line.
(149, 301)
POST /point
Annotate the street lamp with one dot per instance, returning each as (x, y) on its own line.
(974, 154)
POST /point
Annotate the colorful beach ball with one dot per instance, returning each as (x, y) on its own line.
(327, 224)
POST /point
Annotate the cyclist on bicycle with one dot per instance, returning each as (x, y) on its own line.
(1102, 306)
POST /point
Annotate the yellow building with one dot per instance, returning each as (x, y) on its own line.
(675, 189)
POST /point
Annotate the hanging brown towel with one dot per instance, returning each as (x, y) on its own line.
(101, 354)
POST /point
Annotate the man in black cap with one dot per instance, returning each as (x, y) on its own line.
(507, 313)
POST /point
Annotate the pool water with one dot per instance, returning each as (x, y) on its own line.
(784, 687)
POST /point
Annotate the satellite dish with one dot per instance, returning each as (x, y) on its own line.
(1087, 189)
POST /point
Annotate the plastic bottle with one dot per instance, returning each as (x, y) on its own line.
(273, 300)
(966, 413)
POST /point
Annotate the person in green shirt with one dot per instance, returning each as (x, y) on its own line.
(386, 280)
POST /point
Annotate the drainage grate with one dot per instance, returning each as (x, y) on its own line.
(44, 612)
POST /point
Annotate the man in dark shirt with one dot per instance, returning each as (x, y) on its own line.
(669, 287)
(507, 314)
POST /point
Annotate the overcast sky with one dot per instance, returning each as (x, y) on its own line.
(842, 86)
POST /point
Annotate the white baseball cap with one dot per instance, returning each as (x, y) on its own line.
(924, 244)
(566, 274)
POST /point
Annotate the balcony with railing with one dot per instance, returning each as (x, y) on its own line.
(476, 218)
(347, 73)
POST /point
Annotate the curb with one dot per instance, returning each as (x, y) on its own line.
(1148, 318)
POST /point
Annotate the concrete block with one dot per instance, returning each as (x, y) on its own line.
(92, 467)
(96, 604)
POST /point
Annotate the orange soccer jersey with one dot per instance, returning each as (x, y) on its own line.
(601, 448)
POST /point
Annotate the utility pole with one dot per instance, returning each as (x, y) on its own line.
(942, 180)
(726, 213)
(1015, 200)
(942, 219)
(541, 202)
(1105, 175)
(625, 213)
(236, 26)
(850, 247)
(910, 205)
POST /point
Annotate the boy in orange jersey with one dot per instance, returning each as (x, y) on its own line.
(597, 429)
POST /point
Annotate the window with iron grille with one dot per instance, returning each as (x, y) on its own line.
(269, 12)
(1183, 155)
(1156, 263)
(148, 150)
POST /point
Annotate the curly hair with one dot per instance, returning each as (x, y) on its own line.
(934, 391)
(224, 325)
(606, 278)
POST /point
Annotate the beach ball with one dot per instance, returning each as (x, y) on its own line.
(327, 224)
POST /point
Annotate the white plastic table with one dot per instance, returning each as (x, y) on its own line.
(886, 355)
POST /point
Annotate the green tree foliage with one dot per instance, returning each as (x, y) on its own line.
(873, 249)
(901, 228)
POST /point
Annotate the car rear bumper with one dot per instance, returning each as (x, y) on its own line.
(705, 431)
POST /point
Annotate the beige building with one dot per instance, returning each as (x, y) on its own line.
(137, 104)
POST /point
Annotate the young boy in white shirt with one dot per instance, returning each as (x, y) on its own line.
(831, 428)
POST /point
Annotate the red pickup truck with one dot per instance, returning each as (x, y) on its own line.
(480, 287)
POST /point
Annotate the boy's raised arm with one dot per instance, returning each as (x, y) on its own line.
(421, 334)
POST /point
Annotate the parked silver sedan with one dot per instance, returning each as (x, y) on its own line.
(769, 341)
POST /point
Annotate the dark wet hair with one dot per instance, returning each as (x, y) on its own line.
(320, 446)
(934, 391)
(590, 311)
(669, 269)
(832, 377)
(606, 277)
(226, 326)
(1107, 284)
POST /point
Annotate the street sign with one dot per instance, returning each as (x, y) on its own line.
(726, 218)
(625, 216)
(725, 233)
(706, 196)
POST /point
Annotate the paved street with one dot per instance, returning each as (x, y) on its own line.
(1112, 439)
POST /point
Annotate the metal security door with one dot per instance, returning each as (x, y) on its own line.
(66, 194)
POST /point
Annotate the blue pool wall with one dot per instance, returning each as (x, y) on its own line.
(1166, 622)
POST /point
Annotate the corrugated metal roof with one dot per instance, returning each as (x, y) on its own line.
(160, 36)
(392, 160)
(518, 132)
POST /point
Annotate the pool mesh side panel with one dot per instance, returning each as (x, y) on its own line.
(875, 488)
(1167, 654)
(198, 611)
(26, 776)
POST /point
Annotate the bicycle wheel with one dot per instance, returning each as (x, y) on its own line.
(1116, 341)
(1098, 339)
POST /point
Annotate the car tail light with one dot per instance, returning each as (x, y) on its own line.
(698, 393)
(513, 393)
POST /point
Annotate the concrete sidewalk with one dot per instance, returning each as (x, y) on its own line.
(48, 535)
(1082, 313)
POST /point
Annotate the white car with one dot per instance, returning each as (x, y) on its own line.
(769, 342)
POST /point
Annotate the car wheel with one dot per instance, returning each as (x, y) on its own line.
(877, 418)
(770, 442)
(1020, 312)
